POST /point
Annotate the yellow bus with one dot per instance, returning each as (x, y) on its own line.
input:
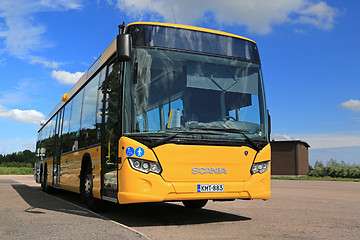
(167, 113)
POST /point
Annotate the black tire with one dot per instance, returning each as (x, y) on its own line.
(86, 190)
(41, 177)
(194, 203)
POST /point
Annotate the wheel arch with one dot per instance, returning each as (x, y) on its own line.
(85, 162)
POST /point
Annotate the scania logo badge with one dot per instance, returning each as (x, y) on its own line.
(203, 170)
(246, 153)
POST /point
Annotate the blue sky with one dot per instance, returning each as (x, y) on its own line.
(309, 51)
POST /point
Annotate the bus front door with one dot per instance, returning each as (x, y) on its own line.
(110, 139)
(57, 150)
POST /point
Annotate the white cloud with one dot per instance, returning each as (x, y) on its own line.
(331, 140)
(258, 15)
(66, 77)
(319, 141)
(12, 96)
(20, 33)
(26, 116)
(3, 62)
(17, 144)
(20, 92)
(320, 15)
(353, 105)
(46, 63)
(281, 137)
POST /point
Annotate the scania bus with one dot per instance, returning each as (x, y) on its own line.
(167, 113)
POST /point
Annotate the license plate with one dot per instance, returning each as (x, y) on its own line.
(210, 188)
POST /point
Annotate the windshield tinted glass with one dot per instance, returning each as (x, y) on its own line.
(195, 41)
(169, 90)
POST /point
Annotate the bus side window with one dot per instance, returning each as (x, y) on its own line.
(88, 118)
(75, 121)
(99, 104)
(49, 137)
(66, 145)
(38, 147)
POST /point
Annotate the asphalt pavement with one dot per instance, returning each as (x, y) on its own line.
(28, 213)
(296, 210)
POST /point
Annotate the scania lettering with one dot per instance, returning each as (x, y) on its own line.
(203, 170)
(167, 112)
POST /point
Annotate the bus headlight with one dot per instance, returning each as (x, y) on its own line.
(145, 166)
(259, 167)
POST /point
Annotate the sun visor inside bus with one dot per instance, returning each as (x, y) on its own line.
(221, 79)
(195, 41)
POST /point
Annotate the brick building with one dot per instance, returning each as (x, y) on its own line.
(289, 158)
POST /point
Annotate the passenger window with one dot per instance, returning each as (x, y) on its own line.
(49, 141)
(66, 138)
(88, 118)
(44, 137)
(38, 147)
(100, 100)
(75, 121)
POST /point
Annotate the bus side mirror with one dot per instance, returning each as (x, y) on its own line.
(123, 47)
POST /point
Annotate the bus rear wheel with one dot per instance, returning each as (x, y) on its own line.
(194, 203)
(44, 184)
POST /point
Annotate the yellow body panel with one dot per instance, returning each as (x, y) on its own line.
(177, 182)
(70, 171)
(135, 186)
(71, 167)
(178, 161)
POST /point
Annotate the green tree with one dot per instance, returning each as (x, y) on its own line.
(25, 156)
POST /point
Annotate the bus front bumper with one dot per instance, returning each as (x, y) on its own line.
(137, 187)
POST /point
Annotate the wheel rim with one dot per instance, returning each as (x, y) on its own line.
(87, 186)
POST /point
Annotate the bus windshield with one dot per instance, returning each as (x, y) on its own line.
(169, 91)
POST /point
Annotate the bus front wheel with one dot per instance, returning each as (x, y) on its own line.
(194, 203)
(87, 190)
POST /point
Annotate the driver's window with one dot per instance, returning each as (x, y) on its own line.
(153, 117)
(175, 114)
(250, 113)
(140, 123)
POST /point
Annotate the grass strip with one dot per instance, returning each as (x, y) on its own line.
(315, 178)
(16, 171)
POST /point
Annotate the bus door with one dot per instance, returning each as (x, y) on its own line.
(110, 139)
(57, 150)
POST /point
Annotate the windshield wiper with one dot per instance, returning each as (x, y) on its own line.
(231, 130)
(176, 133)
